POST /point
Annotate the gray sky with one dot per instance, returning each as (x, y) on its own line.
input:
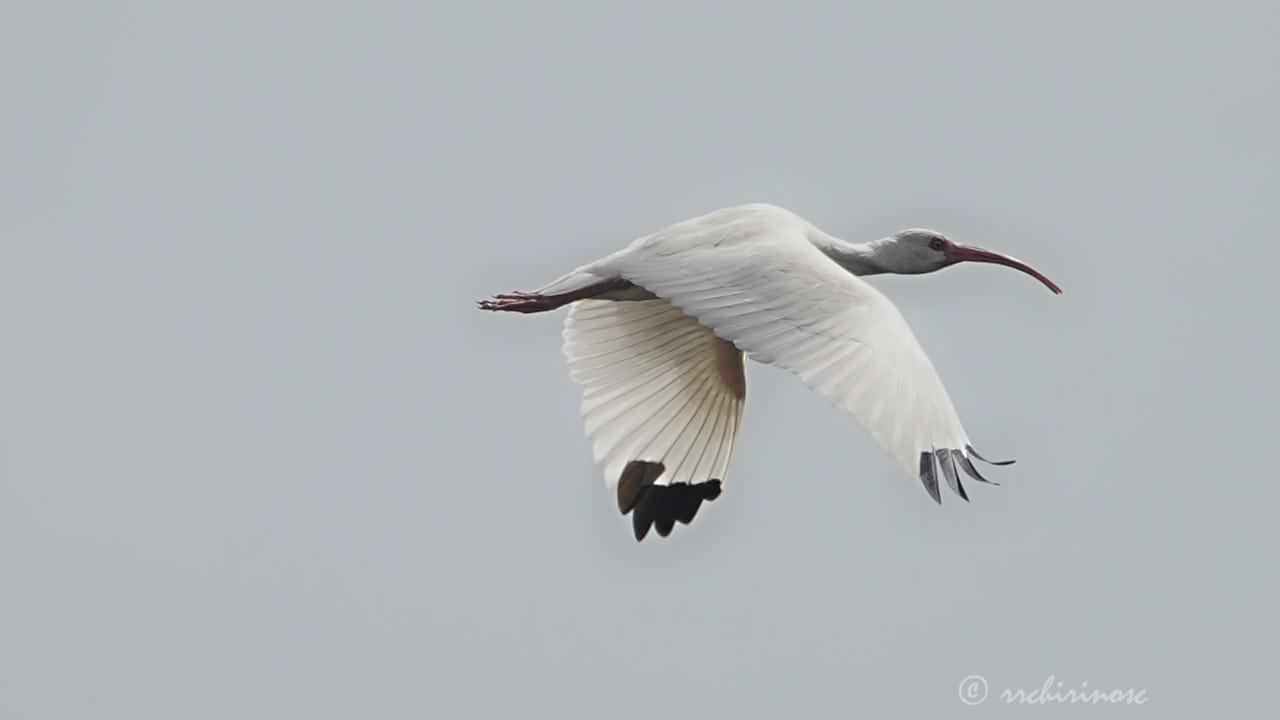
(261, 457)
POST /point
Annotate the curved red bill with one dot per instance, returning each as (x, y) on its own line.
(968, 253)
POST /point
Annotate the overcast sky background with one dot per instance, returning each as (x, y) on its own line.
(261, 457)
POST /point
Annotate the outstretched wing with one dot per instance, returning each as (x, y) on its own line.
(662, 400)
(768, 290)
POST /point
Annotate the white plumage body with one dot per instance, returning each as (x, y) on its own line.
(752, 276)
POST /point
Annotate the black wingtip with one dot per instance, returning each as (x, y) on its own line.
(637, 475)
(929, 477)
(949, 472)
(966, 465)
(641, 530)
(661, 506)
(974, 453)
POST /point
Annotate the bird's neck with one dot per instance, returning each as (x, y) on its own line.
(857, 258)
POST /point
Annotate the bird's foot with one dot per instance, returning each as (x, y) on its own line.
(514, 301)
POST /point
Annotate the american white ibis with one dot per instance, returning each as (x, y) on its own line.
(656, 334)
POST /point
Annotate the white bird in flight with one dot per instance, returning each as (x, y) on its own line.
(656, 335)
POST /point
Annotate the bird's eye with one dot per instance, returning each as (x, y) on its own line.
(937, 242)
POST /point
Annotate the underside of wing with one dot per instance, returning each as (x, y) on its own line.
(662, 401)
(783, 302)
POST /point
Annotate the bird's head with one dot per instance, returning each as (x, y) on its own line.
(916, 251)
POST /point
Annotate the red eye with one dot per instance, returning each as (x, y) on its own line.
(937, 243)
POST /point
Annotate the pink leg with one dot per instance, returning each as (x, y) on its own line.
(523, 302)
